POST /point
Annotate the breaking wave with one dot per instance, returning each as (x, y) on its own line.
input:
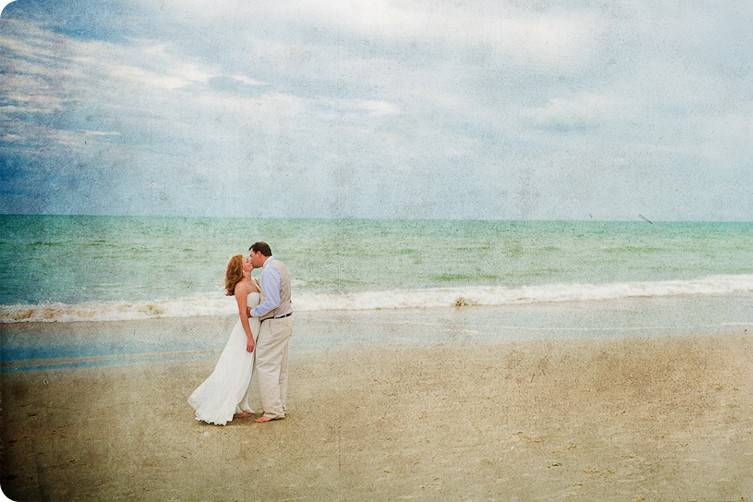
(215, 304)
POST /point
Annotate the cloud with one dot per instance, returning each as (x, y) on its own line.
(581, 111)
(371, 107)
(246, 80)
(470, 105)
(559, 37)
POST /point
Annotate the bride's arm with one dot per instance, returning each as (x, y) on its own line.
(240, 297)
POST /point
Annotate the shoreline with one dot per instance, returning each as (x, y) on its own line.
(40, 346)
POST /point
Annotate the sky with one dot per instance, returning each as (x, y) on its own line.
(378, 109)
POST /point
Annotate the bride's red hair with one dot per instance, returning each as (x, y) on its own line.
(233, 274)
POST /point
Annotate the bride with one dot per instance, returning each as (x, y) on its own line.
(225, 394)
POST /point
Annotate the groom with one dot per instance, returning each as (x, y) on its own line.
(276, 327)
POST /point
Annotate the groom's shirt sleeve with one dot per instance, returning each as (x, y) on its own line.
(271, 287)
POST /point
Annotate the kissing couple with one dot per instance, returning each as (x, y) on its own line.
(258, 342)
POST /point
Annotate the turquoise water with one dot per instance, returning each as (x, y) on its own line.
(78, 259)
(82, 268)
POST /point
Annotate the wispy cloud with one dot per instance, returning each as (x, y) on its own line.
(560, 37)
(375, 108)
(473, 107)
(584, 110)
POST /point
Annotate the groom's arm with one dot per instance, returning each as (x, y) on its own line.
(271, 288)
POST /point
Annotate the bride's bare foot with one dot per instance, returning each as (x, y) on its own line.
(264, 419)
(243, 414)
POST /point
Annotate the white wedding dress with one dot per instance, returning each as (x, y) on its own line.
(227, 389)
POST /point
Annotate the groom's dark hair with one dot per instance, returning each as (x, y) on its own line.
(261, 247)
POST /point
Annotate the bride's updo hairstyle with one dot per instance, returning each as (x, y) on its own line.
(233, 274)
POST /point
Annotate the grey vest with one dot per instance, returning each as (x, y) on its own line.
(285, 306)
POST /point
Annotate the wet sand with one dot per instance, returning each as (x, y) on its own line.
(622, 418)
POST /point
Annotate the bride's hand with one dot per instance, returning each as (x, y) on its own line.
(250, 345)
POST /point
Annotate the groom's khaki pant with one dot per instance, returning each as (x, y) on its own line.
(272, 365)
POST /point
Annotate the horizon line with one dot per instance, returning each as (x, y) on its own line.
(638, 218)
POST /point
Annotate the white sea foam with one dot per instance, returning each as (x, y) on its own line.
(215, 304)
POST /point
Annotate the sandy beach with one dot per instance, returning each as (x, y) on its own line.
(467, 417)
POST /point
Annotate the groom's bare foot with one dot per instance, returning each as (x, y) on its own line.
(243, 414)
(263, 419)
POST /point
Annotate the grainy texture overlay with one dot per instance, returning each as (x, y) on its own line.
(631, 418)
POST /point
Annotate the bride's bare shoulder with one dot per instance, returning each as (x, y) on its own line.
(242, 289)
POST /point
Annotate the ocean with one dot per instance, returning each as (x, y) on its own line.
(101, 268)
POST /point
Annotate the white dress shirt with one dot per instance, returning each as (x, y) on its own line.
(270, 285)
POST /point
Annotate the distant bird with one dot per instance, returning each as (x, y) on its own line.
(645, 219)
